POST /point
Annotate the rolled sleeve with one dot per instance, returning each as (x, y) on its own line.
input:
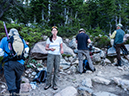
(113, 35)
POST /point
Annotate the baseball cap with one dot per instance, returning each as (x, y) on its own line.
(13, 31)
(120, 25)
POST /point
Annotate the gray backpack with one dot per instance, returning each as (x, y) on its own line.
(18, 49)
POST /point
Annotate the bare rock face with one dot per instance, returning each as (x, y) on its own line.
(38, 51)
(68, 50)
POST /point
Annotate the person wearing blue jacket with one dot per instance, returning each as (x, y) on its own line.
(13, 69)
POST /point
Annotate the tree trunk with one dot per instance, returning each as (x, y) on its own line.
(34, 18)
(49, 8)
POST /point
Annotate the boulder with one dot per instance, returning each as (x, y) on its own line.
(68, 91)
(38, 51)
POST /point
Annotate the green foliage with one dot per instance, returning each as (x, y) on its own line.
(127, 42)
(39, 65)
(67, 31)
(33, 61)
(101, 41)
(31, 35)
(66, 55)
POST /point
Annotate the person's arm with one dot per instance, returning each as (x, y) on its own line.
(113, 35)
(89, 41)
(26, 47)
(61, 48)
(49, 49)
(1, 52)
(76, 41)
(1, 48)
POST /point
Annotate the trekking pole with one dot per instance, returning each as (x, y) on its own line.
(7, 34)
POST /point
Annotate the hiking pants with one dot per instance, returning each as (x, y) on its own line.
(118, 46)
(12, 73)
(80, 57)
(52, 61)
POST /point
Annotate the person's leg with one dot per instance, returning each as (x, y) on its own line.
(80, 61)
(118, 55)
(19, 68)
(50, 60)
(125, 51)
(86, 52)
(56, 68)
(10, 77)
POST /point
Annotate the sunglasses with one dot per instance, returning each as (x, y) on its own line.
(54, 27)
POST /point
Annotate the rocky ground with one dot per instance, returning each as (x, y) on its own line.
(75, 79)
(107, 80)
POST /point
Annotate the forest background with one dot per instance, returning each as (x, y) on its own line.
(34, 18)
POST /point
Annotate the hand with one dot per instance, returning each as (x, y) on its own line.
(52, 49)
(109, 34)
(61, 51)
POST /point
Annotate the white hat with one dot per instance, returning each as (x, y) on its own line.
(82, 30)
(120, 25)
(13, 31)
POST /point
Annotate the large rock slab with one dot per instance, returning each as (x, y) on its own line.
(104, 94)
(122, 82)
(38, 51)
(68, 50)
(68, 91)
(101, 80)
(112, 51)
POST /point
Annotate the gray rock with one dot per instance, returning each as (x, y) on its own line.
(89, 90)
(103, 94)
(68, 91)
(101, 80)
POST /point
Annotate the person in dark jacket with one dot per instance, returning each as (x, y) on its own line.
(118, 36)
(82, 39)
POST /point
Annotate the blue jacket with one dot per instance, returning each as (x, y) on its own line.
(5, 46)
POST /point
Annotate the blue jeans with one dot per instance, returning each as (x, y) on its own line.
(12, 73)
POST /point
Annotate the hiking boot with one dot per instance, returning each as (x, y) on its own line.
(47, 87)
(94, 70)
(54, 88)
(119, 63)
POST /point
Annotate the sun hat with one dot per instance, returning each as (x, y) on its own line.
(120, 25)
(81, 30)
(13, 31)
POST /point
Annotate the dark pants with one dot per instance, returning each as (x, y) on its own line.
(12, 72)
(118, 47)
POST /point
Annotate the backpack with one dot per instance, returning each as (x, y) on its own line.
(18, 49)
(41, 76)
(85, 66)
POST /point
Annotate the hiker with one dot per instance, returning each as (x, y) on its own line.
(14, 65)
(82, 39)
(54, 46)
(118, 35)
